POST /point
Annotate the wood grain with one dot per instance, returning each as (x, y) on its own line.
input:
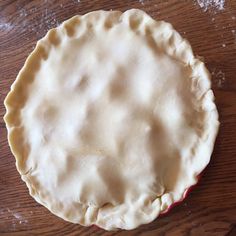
(210, 209)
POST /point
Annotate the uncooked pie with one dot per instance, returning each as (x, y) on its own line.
(111, 119)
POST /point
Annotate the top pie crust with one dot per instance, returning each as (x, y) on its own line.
(111, 119)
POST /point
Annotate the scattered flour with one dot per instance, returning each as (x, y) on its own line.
(18, 218)
(23, 12)
(141, 1)
(218, 78)
(17, 215)
(5, 26)
(211, 4)
(39, 25)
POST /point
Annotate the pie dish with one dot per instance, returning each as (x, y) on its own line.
(111, 119)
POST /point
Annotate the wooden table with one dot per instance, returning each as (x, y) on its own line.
(210, 209)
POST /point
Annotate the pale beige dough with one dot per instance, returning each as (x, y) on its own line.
(111, 119)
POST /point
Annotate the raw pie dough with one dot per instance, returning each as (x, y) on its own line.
(111, 119)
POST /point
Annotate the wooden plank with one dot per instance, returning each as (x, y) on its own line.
(210, 209)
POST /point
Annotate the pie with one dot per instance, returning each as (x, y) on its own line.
(111, 119)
